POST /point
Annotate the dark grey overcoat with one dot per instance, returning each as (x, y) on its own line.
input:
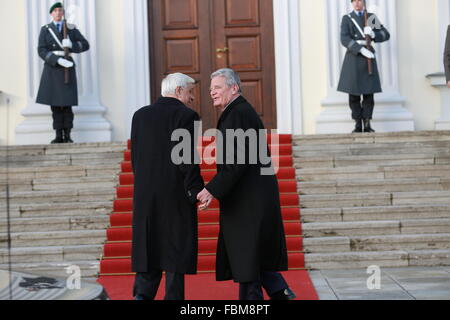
(447, 55)
(251, 238)
(165, 235)
(355, 78)
(52, 90)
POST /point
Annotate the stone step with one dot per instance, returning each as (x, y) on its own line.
(380, 213)
(377, 243)
(76, 148)
(345, 200)
(105, 182)
(54, 238)
(373, 186)
(373, 173)
(58, 196)
(360, 228)
(361, 148)
(88, 170)
(17, 161)
(355, 260)
(371, 160)
(376, 228)
(36, 210)
(89, 269)
(52, 254)
(390, 137)
(67, 223)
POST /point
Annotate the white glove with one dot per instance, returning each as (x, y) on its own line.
(369, 32)
(65, 63)
(67, 43)
(367, 53)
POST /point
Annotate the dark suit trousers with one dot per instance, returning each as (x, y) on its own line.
(62, 118)
(272, 282)
(146, 285)
(364, 110)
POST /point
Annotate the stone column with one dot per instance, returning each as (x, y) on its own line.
(390, 114)
(287, 60)
(90, 124)
(137, 57)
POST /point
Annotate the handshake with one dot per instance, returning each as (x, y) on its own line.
(205, 198)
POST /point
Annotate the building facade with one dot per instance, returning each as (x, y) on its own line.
(287, 51)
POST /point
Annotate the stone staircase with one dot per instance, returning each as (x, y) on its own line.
(375, 199)
(60, 201)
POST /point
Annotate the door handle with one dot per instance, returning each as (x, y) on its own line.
(219, 50)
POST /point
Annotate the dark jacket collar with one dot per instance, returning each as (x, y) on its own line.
(169, 101)
(230, 108)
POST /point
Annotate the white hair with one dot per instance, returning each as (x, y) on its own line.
(231, 77)
(173, 81)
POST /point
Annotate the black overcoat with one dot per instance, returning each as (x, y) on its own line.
(165, 213)
(447, 55)
(355, 78)
(252, 237)
(52, 90)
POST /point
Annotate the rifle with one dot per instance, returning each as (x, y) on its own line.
(368, 39)
(66, 50)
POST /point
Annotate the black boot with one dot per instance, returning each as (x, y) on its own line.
(367, 127)
(67, 138)
(59, 137)
(358, 126)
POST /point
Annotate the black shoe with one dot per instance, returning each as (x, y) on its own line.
(367, 127)
(286, 294)
(59, 137)
(358, 126)
(67, 138)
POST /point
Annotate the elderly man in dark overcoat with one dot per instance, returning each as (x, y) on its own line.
(165, 192)
(252, 245)
(355, 77)
(53, 89)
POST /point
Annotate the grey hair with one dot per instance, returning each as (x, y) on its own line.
(170, 84)
(231, 77)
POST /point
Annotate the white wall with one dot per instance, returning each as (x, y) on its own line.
(419, 55)
(12, 65)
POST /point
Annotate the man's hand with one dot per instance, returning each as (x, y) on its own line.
(66, 43)
(368, 31)
(448, 84)
(65, 63)
(205, 198)
(367, 53)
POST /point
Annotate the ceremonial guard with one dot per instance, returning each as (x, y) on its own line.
(58, 40)
(359, 75)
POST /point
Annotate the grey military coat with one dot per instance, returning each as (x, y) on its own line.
(355, 78)
(52, 90)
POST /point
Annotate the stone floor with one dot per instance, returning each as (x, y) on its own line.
(412, 283)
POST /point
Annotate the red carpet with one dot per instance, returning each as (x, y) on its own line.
(115, 267)
(205, 287)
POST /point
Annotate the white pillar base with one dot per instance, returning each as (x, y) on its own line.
(89, 126)
(439, 81)
(389, 116)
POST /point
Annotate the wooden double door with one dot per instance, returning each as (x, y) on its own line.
(197, 37)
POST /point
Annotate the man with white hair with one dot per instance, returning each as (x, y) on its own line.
(165, 194)
(252, 245)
